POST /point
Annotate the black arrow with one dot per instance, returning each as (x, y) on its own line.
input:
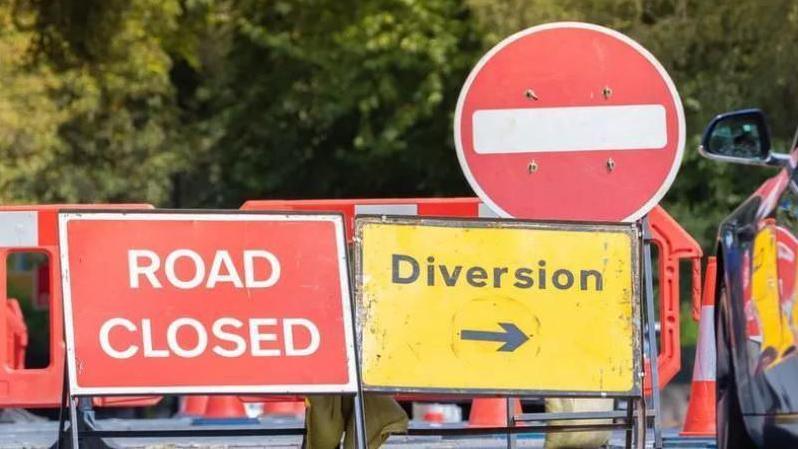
(512, 337)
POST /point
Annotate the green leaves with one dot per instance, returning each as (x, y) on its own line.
(116, 99)
(105, 122)
(332, 98)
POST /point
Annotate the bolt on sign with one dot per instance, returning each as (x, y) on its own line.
(449, 305)
(166, 302)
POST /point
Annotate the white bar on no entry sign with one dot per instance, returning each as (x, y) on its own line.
(584, 128)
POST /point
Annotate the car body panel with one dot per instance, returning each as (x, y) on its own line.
(758, 255)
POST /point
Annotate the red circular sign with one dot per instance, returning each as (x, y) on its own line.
(569, 121)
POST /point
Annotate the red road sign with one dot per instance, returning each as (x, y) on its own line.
(569, 121)
(206, 303)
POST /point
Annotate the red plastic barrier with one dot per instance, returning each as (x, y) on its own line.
(35, 229)
(674, 244)
(492, 412)
(270, 398)
(672, 241)
(431, 207)
(349, 208)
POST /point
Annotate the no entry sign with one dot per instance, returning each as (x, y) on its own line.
(206, 303)
(569, 121)
(525, 307)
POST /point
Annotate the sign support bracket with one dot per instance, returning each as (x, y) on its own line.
(82, 433)
(511, 438)
(81, 421)
(334, 286)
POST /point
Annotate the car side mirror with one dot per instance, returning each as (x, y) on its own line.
(739, 136)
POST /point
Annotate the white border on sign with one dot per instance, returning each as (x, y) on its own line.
(76, 390)
(644, 209)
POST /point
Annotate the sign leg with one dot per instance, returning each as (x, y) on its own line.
(360, 420)
(640, 423)
(511, 438)
(73, 422)
(651, 333)
(63, 410)
(360, 408)
(630, 422)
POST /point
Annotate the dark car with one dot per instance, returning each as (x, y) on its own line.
(756, 316)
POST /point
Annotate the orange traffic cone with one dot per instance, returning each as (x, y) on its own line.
(491, 412)
(700, 419)
(284, 408)
(224, 407)
(193, 405)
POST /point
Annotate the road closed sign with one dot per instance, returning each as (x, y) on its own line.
(490, 306)
(165, 302)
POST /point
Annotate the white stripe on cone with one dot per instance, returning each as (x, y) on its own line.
(704, 368)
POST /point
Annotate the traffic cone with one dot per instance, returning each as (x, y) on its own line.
(700, 418)
(491, 412)
(193, 405)
(224, 409)
(284, 408)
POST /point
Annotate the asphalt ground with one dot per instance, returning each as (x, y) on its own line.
(42, 434)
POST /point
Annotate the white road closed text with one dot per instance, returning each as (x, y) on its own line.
(227, 337)
(188, 337)
(146, 267)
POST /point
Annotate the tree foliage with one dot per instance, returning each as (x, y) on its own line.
(211, 102)
(330, 98)
(92, 112)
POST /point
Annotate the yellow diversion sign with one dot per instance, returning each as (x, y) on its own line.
(459, 306)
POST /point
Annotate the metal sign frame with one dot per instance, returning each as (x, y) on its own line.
(472, 208)
(633, 420)
(76, 405)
